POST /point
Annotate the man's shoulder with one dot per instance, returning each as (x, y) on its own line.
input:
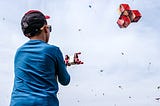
(37, 46)
(51, 47)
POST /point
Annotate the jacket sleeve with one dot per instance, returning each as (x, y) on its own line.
(63, 75)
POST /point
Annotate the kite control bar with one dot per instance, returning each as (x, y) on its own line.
(73, 60)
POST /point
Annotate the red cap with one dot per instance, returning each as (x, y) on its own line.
(32, 11)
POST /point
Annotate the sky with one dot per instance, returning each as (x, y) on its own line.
(121, 65)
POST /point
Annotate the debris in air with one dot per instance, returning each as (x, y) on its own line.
(101, 70)
(157, 99)
(120, 87)
(122, 53)
(79, 29)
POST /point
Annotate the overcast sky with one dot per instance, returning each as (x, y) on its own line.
(121, 66)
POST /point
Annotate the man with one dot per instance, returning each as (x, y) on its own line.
(37, 65)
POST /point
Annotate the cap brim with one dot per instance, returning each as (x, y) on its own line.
(47, 16)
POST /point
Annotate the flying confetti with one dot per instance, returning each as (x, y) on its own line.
(79, 29)
(101, 70)
(120, 87)
(157, 99)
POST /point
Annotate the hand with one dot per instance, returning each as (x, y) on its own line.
(67, 60)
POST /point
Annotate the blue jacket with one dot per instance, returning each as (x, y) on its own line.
(37, 68)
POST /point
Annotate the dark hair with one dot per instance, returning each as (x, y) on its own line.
(32, 21)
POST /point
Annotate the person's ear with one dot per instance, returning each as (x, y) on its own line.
(45, 29)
